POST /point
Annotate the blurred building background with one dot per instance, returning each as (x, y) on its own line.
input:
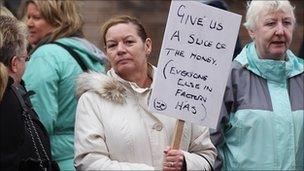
(153, 14)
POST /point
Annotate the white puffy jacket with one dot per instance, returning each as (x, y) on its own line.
(115, 131)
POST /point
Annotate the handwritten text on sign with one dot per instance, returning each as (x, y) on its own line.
(194, 62)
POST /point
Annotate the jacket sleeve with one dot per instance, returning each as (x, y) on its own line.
(41, 77)
(201, 153)
(91, 151)
(217, 135)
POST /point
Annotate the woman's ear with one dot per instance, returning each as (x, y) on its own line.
(148, 46)
(251, 33)
(14, 62)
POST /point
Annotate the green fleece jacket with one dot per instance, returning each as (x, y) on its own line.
(51, 74)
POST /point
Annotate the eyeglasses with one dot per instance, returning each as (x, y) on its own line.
(25, 57)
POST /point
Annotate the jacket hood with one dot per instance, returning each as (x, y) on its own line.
(86, 47)
(106, 87)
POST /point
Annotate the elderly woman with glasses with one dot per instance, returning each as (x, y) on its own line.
(24, 141)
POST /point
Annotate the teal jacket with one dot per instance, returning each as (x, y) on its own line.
(261, 122)
(51, 74)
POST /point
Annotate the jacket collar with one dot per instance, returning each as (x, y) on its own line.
(132, 85)
(111, 87)
(272, 70)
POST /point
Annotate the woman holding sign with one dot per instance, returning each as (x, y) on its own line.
(261, 124)
(114, 129)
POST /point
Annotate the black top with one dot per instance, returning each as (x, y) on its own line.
(223, 5)
(18, 132)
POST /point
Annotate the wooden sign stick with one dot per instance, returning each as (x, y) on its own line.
(177, 136)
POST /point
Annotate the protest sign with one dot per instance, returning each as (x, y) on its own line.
(194, 62)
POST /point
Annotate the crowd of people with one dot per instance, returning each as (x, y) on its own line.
(67, 105)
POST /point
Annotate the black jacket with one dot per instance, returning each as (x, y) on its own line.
(18, 133)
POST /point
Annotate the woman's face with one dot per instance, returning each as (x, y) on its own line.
(273, 34)
(37, 25)
(125, 50)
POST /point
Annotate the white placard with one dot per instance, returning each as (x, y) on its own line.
(194, 62)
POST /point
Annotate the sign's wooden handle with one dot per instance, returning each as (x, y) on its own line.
(177, 136)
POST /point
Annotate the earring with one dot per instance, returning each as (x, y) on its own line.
(148, 54)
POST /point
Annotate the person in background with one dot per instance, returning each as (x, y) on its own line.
(114, 129)
(261, 122)
(221, 4)
(24, 142)
(53, 68)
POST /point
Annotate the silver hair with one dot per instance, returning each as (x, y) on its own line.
(256, 7)
(13, 40)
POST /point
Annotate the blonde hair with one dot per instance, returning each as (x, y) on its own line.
(3, 70)
(6, 12)
(3, 79)
(62, 14)
(256, 7)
